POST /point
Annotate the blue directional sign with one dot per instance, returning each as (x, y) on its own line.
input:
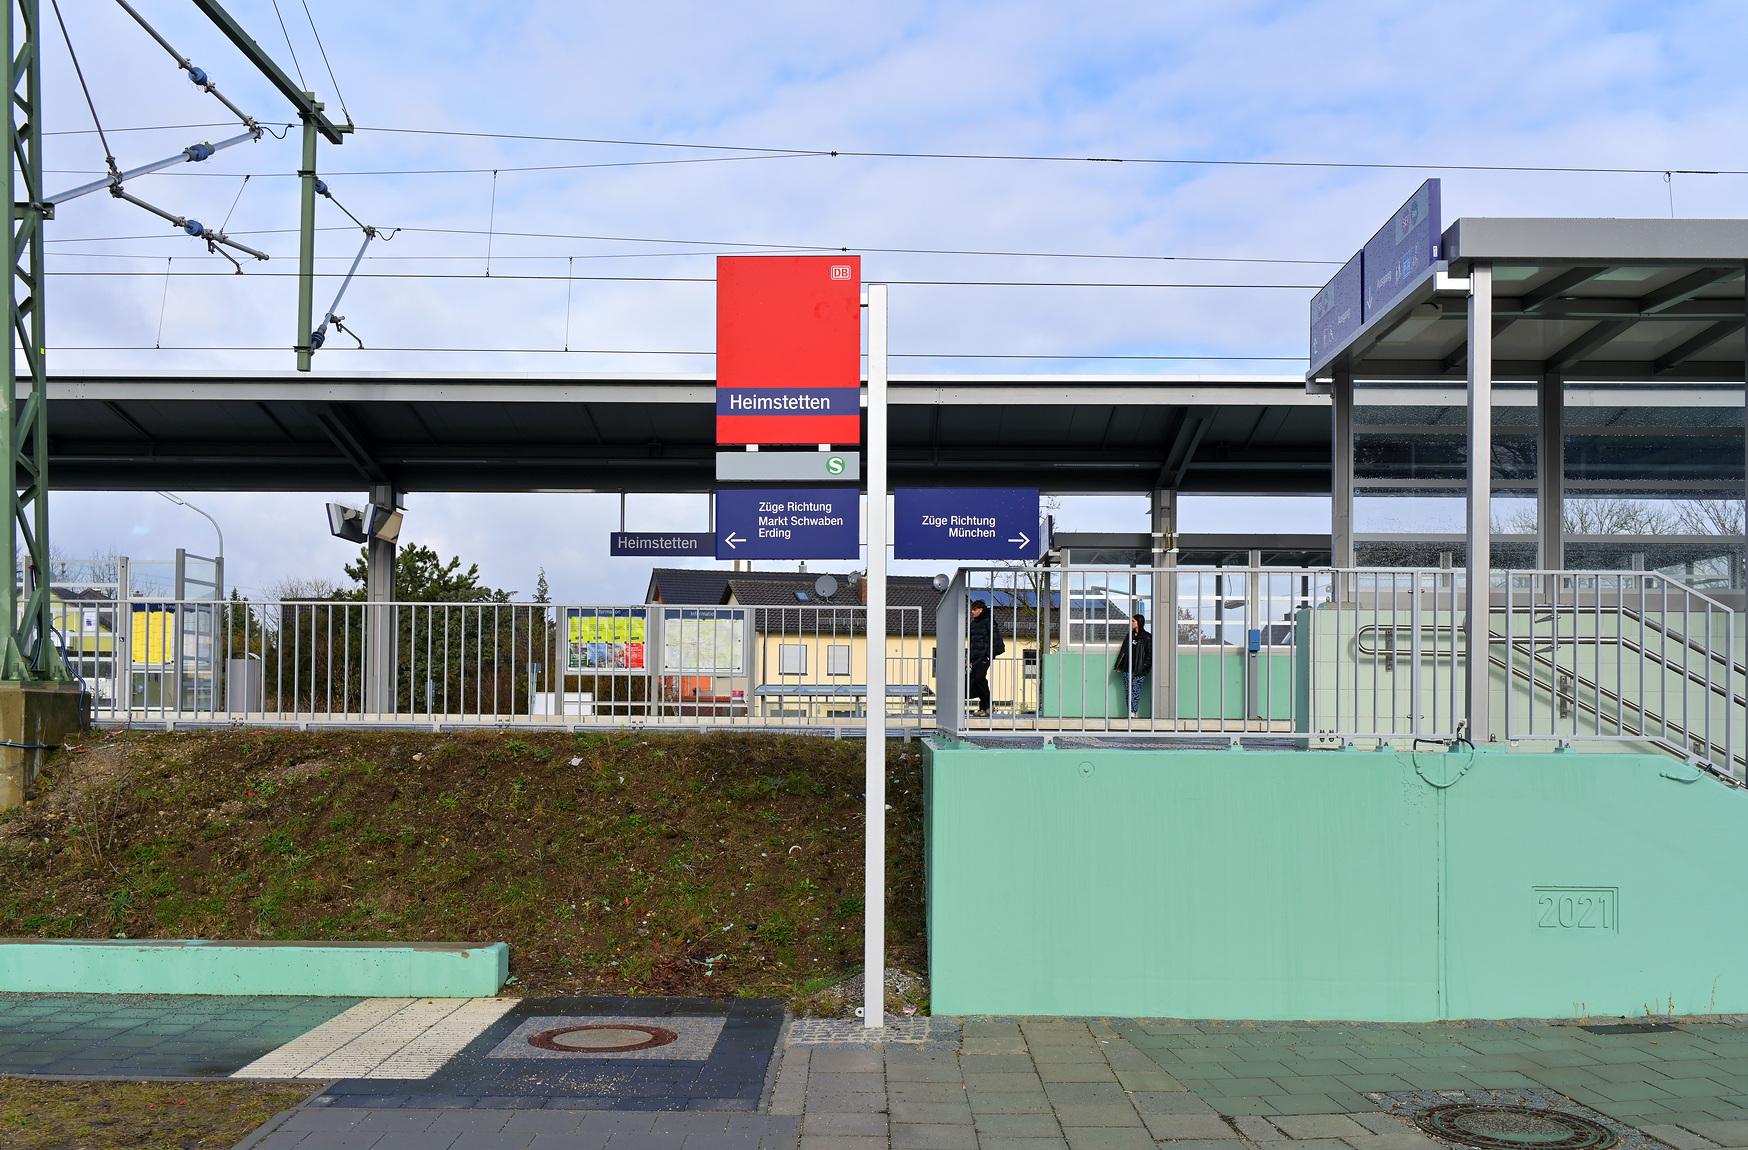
(965, 523)
(788, 523)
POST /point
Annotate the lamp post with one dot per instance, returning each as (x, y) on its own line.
(181, 502)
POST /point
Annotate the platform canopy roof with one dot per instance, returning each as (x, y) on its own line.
(523, 432)
(1585, 299)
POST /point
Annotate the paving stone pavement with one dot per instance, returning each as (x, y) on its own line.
(1057, 1084)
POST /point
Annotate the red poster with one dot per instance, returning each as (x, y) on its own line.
(788, 350)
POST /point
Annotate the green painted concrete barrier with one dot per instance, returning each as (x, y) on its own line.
(342, 969)
(1382, 886)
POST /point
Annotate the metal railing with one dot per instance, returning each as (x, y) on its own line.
(1308, 656)
(1326, 656)
(200, 662)
(1621, 656)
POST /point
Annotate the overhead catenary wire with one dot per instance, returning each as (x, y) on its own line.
(771, 246)
(288, 46)
(772, 152)
(96, 121)
(323, 49)
(101, 274)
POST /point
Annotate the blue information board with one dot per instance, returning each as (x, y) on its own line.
(965, 523)
(1336, 311)
(1402, 250)
(788, 523)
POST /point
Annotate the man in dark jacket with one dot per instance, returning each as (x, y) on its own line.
(1135, 660)
(983, 645)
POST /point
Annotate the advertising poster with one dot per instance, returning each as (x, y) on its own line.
(604, 640)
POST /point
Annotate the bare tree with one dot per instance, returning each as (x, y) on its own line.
(304, 587)
(1601, 517)
(1709, 517)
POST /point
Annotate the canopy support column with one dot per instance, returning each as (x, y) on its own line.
(1341, 468)
(379, 592)
(1478, 671)
(1551, 472)
(1164, 596)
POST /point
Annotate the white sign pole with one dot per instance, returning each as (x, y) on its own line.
(874, 816)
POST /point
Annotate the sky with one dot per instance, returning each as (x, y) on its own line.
(1446, 90)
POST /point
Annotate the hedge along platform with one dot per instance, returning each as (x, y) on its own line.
(167, 966)
(1379, 886)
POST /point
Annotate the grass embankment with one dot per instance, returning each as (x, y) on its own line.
(643, 863)
(40, 1114)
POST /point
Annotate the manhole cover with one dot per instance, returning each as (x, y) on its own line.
(1513, 1128)
(603, 1038)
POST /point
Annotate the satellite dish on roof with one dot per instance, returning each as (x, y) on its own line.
(825, 586)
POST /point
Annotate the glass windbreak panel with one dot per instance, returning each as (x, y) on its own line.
(1654, 478)
(1411, 467)
(1509, 553)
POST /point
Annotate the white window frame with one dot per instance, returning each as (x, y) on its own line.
(833, 652)
(784, 652)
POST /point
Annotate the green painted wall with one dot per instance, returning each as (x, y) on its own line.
(349, 970)
(1384, 886)
(1081, 685)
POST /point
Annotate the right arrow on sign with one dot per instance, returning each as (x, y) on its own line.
(1023, 540)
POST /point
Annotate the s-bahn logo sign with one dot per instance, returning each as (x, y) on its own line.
(788, 350)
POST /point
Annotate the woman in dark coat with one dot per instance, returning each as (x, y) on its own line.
(1135, 659)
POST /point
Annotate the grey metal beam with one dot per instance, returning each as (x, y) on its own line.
(1693, 345)
(1591, 241)
(1669, 296)
(1562, 284)
(1527, 370)
(1190, 429)
(305, 103)
(1609, 307)
(1478, 669)
(1597, 338)
(344, 436)
(131, 423)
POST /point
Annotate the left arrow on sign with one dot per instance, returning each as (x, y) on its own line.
(733, 539)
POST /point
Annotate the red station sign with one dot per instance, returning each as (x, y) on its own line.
(788, 350)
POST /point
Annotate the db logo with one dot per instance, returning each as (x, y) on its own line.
(840, 271)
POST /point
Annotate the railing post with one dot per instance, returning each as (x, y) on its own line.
(1477, 617)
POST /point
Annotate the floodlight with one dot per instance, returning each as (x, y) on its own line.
(346, 523)
(942, 582)
(384, 523)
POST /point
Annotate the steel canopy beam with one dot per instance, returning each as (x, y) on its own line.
(1678, 354)
(306, 104)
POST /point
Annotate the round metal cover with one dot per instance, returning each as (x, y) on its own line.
(1514, 1128)
(602, 1038)
(825, 586)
